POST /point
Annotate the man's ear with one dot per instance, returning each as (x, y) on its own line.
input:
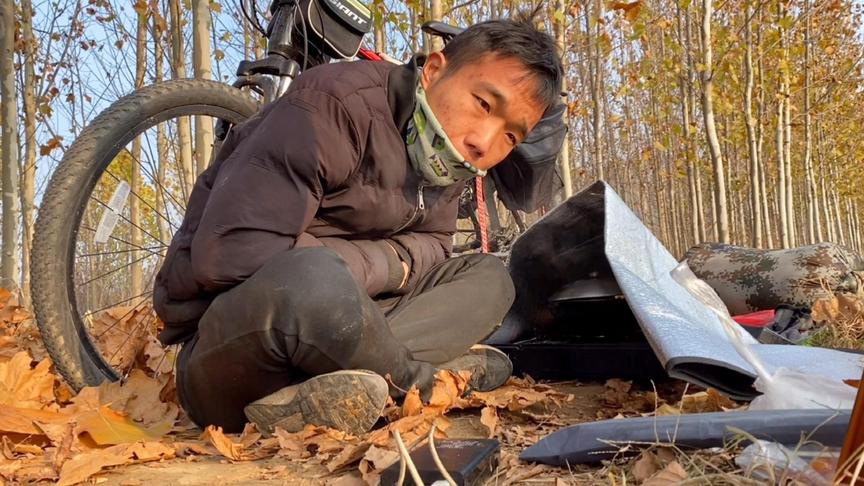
(433, 69)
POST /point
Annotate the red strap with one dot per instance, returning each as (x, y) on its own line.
(481, 214)
(364, 53)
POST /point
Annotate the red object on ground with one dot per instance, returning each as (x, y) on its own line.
(755, 319)
(482, 219)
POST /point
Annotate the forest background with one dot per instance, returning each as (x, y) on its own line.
(736, 121)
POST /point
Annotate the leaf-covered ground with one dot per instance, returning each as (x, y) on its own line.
(134, 433)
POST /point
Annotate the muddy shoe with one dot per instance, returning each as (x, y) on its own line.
(350, 401)
(489, 367)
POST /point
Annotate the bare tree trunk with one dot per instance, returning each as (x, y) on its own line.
(136, 274)
(781, 170)
(412, 25)
(560, 39)
(755, 195)
(596, 94)
(833, 210)
(710, 128)
(201, 63)
(184, 131)
(691, 130)
(838, 217)
(826, 209)
(378, 12)
(814, 230)
(436, 13)
(9, 264)
(782, 186)
(822, 194)
(760, 136)
(786, 95)
(28, 174)
(714, 227)
(850, 222)
(161, 144)
(787, 156)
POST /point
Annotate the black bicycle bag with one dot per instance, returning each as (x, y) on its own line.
(335, 27)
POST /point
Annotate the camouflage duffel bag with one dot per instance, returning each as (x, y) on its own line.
(748, 279)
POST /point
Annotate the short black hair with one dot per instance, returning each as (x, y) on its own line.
(511, 38)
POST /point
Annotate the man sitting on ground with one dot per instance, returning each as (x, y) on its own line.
(313, 258)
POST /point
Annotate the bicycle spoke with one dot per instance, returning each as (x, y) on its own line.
(128, 337)
(119, 320)
(177, 203)
(162, 360)
(115, 304)
(158, 178)
(117, 252)
(140, 199)
(114, 270)
(181, 176)
(137, 247)
(124, 218)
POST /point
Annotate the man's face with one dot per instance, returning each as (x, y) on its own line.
(486, 107)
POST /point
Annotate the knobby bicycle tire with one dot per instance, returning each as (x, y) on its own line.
(63, 331)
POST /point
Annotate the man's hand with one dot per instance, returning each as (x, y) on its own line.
(405, 269)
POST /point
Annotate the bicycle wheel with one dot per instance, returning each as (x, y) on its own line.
(106, 219)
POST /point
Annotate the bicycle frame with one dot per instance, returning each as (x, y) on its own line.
(271, 76)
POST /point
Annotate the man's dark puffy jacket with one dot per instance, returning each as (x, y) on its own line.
(325, 164)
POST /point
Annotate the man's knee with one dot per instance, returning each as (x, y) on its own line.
(494, 284)
(315, 286)
(307, 287)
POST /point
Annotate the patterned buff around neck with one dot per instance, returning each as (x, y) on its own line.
(430, 150)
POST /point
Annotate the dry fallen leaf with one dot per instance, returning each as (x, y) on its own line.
(105, 426)
(238, 450)
(412, 405)
(26, 387)
(88, 463)
(489, 418)
(375, 461)
(130, 411)
(667, 409)
(446, 392)
(838, 307)
(24, 421)
(122, 332)
(645, 467)
(228, 448)
(666, 455)
(349, 455)
(249, 436)
(673, 473)
(516, 395)
(158, 358)
(707, 401)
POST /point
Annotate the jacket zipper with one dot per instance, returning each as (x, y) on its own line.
(421, 206)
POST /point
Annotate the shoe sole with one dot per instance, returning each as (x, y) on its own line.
(492, 380)
(348, 401)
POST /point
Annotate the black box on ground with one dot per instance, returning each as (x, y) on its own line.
(469, 461)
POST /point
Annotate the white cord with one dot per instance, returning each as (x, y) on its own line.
(405, 457)
(438, 464)
(401, 470)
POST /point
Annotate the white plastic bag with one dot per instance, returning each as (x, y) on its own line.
(774, 463)
(782, 390)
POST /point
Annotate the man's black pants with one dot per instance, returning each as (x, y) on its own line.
(303, 314)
